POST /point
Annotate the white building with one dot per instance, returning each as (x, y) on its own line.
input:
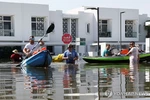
(23, 20)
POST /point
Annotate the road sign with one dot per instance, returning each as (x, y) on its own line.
(67, 38)
(80, 41)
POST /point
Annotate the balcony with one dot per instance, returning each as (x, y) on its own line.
(131, 35)
(8, 32)
(105, 34)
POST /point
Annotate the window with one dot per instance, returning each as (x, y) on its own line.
(70, 26)
(73, 29)
(37, 26)
(103, 28)
(6, 28)
(88, 28)
(65, 25)
(139, 28)
(129, 29)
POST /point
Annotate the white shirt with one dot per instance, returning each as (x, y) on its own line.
(134, 53)
(31, 46)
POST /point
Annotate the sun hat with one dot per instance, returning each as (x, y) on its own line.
(15, 51)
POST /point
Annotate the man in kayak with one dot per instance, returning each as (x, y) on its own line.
(134, 54)
(28, 49)
(70, 55)
(107, 51)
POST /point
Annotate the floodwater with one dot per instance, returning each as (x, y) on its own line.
(79, 82)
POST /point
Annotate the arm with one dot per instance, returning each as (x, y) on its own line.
(41, 42)
(106, 54)
(131, 50)
(76, 56)
(26, 50)
(65, 56)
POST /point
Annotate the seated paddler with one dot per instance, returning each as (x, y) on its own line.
(107, 51)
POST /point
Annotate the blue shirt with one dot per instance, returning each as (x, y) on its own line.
(71, 55)
(106, 52)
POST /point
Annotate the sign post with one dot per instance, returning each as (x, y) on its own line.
(66, 38)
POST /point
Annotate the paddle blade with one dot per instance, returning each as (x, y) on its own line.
(51, 28)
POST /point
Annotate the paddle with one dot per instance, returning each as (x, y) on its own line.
(49, 30)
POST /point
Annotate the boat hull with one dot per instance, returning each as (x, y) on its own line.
(115, 59)
(41, 59)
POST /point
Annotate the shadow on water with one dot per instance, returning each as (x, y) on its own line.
(75, 82)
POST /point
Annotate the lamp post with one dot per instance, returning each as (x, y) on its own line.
(98, 34)
(121, 29)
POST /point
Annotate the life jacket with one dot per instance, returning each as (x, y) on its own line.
(124, 51)
(39, 50)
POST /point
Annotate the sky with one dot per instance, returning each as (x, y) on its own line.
(65, 5)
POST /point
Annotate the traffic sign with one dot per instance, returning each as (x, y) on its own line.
(67, 38)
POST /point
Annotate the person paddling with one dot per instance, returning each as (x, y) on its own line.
(28, 49)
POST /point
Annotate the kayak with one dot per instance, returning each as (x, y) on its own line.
(57, 58)
(115, 59)
(40, 59)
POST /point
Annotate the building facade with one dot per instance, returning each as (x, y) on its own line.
(23, 20)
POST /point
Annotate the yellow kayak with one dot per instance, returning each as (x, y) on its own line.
(57, 58)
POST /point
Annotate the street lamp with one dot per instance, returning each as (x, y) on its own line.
(121, 28)
(98, 34)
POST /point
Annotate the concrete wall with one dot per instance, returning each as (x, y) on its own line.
(22, 14)
(142, 32)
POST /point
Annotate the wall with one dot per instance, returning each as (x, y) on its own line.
(142, 32)
(22, 14)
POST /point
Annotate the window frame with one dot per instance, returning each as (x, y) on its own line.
(38, 23)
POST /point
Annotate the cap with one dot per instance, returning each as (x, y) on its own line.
(15, 51)
(31, 38)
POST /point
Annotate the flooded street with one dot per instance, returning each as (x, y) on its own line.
(74, 82)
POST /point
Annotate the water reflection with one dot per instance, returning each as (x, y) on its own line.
(39, 81)
(73, 82)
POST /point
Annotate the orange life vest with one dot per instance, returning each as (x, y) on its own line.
(39, 50)
(124, 51)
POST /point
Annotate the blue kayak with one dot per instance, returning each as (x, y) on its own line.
(41, 59)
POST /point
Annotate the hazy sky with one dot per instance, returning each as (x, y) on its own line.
(142, 5)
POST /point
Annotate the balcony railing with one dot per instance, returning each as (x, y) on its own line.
(105, 34)
(131, 35)
(6, 32)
